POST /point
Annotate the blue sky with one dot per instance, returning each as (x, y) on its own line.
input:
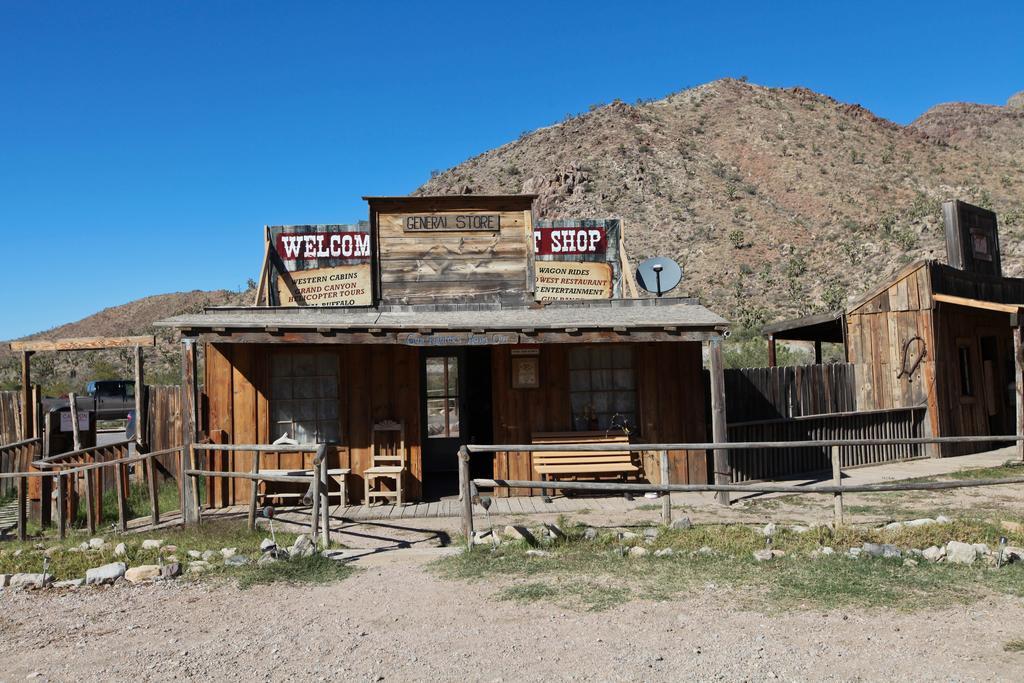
(143, 145)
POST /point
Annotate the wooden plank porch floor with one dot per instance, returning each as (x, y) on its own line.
(505, 507)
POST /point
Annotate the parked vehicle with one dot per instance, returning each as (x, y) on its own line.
(111, 399)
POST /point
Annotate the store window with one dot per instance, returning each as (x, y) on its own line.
(602, 387)
(304, 396)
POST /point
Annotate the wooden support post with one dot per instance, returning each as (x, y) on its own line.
(325, 509)
(63, 504)
(27, 418)
(90, 511)
(1018, 362)
(466, 496)
(22, 508)
(314, 521)
(46, 483)
(837, 480)
(189, 485)
(76, 436)
(771, 351)
(154, 498)
(140, 400)
(122, 503)
(666, 502)
(254, 491)
(719, 434)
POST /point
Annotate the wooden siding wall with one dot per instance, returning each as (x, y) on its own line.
(670, 405)
(960, 415)
(376, 383)
(877, 331)
(773, 393)
(423, 267)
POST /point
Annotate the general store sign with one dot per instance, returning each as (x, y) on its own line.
(452, 222)
(321, 265)
(577, 260)
(458, 339)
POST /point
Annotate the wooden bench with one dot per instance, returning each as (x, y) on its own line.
(338, 476)
(555, 464)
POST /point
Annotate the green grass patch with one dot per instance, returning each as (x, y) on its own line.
(594, 575)
(303, 570)
(1016, 645)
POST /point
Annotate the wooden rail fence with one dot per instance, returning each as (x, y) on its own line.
(469, 487)
(16, 457)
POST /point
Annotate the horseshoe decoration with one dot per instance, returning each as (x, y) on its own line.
(906, 370)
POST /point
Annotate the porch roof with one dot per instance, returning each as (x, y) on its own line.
(826, 327)
(666, 315)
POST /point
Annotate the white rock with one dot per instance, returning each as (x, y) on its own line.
(893, 526)
(152, 544)
(144, 572)
(664, 552)
(108, 573)
(909, 562)
(198, 567)
(195, 555)
(120, 550)
(637, 551)
(228, 552)
(919, 522)
(982, 549)
(1013, 554)
(552, 531)
(960, 553)
(236, 560)
(942, 519)
(303, 547)
(267, 544)
(208, 555)
(764, 555)
(537, 553)
(30, 580)
(69, 583)
(682, 523)
(933, 553)
(769, 529)
(96, 543)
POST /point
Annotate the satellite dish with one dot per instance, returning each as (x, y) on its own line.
(659, 274)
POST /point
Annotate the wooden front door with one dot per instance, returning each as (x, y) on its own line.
(444, 420)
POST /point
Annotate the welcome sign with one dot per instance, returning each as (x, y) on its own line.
(321, 265)
(577, 259)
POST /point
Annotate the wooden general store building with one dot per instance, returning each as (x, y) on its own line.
(442, 331)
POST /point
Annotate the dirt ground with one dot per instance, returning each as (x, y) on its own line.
(395, 620)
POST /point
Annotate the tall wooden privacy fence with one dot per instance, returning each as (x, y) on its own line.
(773, 393)
(164, 426)
(10, 418)
(16, 457)
(884, 426)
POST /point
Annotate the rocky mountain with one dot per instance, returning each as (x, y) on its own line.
(59, 373)
(777, 202)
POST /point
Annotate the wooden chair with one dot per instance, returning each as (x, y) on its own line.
(387, 461)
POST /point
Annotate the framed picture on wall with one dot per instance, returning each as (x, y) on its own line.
(525, 372)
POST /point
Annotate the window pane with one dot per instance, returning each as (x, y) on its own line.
(578, 358)
(278, 430)
(327, 364)
(601, 379)
(435, 377)
(305, 432)
(329, 387)
(280, 388)
(601, 357)
(453, 375)
(281, 365)
(622, 379)
(305, 387)
(327, 410)
(280, 410)
(435, 418)
(303, 365)
(579, 380)
(329, 431)
(580, 401)
(622, 357)
(601, 402)
(303, 410)
(624, 402)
